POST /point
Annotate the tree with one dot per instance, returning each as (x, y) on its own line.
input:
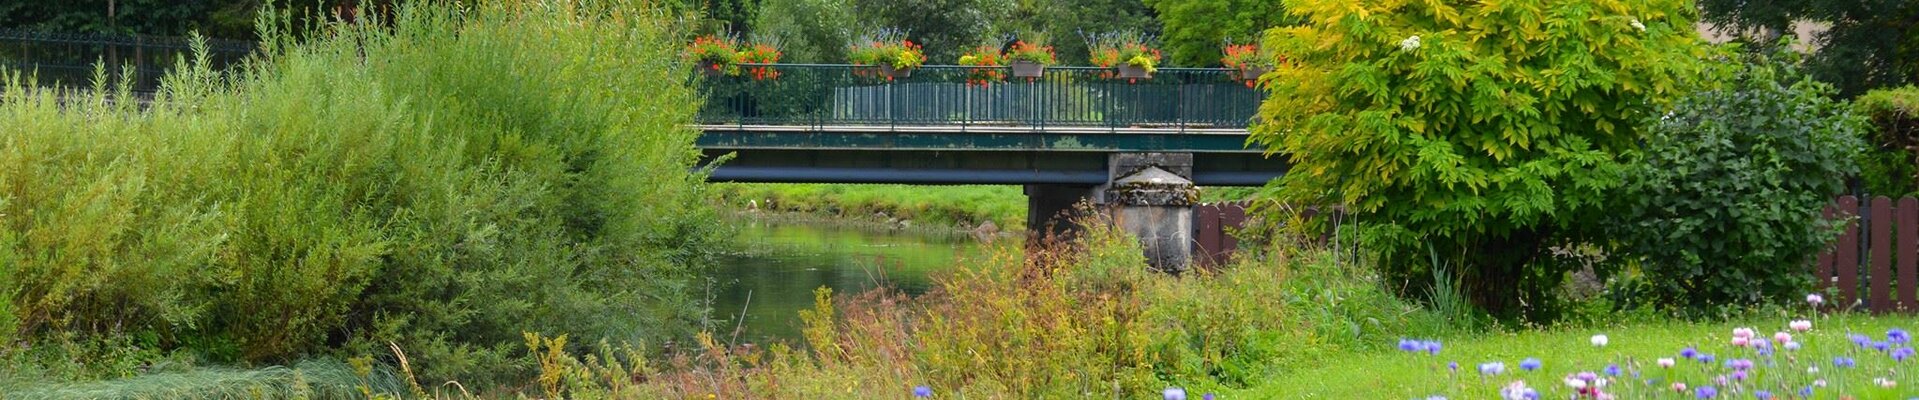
(1724, 204)
(944, 27)
(1870, 43)
(810, 31)
(1478, 131)
(1195, 31)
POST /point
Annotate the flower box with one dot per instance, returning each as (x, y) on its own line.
(1028, 69)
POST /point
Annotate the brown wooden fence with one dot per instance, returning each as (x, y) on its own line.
(1876, 258)
(1213, 223)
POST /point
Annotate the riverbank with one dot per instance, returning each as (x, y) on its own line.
(964, 207)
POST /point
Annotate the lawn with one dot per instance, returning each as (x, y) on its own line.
(1636, 349)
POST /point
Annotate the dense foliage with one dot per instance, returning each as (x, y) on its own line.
(1723, 206)
(1480, 132)
(441, 184)
(1890, 164)
(1194, 31)
(1865, 44)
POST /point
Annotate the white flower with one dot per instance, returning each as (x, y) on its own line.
(1884, 382)
(1792, 346)
(1812, 369)
(1665, 362)
(1678, 387)
(1636, 25)
(1575, 383)
(1742, 333)
(1781, 337)
(1411, 43)
(1815, 299)
(1800, 325)
(1819, 383)
(1599, 340)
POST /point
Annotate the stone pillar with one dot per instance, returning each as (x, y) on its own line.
(1051, 206)
(1156, 205)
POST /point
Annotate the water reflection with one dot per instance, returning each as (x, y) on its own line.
(773, 275)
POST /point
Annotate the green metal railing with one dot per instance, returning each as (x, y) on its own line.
(941, 95)
(68, 60)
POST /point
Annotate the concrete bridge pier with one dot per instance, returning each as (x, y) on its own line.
(1147, 194)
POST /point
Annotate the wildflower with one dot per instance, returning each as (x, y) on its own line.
(1843, 362)
(1761, 395)
(1665, 363)
(1881, 346)
(1805, 391)
(1792, 346)
(1885, 382)
(1431, 347)
(1612, 370)
(1209, 396)
(1518, 391)
(1454, 366)
(1898, 336)
(1678, 386)
(1637, 25)
(1819, 383)
(1739, 376)
(1812, 369)
(1815, 299)
(1492, 368)
(1410, 44)
(1408, 345)
(1781, 337)
(1689, 353)
(1800, 325)
(1739, 364)
(1529, 364)
(1575, 383)
(1599, 340)
(1705, 392)
(1741, 341)
(1706, 358)
(1902, 353)
(922, 392)
(1742, 333)
(1860, 340)
(1174, 394)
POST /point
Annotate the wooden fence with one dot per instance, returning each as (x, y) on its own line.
(1876, 258)
(1213, 242)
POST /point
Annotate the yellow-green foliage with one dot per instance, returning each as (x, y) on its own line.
(1062, 321)
(1889, 167)
(1481, 128)
(444, 180)
(1005, 206)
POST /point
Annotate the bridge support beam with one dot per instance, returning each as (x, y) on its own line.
(1149, 195)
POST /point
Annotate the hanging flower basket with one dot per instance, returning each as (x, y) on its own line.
(1028, 69)
(896, 73)
(1129, 71)
(1029, 60)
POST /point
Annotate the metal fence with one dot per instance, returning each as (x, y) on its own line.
(70, 60)
(946, 95)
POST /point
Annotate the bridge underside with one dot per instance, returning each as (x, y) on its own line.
(975, 156)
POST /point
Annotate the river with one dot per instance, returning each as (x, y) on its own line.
(776, 267)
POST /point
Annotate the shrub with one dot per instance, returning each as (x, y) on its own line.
(442, 182)
(1889, 166)
(1448, 132)
(1723, 206)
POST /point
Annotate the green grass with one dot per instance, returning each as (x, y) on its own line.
(956, 206)
(315, 379)
(1389, 373)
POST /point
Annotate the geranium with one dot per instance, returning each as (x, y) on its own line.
(986, 61)
(1033, 52)
(1245, 56)
(1113, 50)
(717, 53)
(887, 47)
(761, 53)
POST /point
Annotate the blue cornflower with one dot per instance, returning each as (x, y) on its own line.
(922, 392)
(1612, 370)
(1432, 347)
(1881, 346)
(1706, 358)
(1453, 366)
(1492, 368)
(1209, 396)
(1897, 335)
(1175, 394)
(1860, 340)
(1529, 364)
(1739, 364)
(1902, 353)
(1408, 345)
(1761, 395)
(1688, 353)
(1805, 391)
(1845, 362)
(1705, 392)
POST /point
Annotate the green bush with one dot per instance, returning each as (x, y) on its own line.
(1723, 206)
(1484, 132)
(442, 181)
(1889, 166)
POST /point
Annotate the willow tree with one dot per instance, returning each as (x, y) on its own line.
(1479, 132)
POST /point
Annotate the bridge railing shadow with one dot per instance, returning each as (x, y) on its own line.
(821, 96)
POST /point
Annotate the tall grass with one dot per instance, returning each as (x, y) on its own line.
(444, 179)
(1066, 320)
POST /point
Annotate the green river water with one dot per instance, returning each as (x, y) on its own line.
(773, 273)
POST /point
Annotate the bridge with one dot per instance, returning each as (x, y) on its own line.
(1073, 134)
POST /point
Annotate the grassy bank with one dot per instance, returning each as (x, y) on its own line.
(439, 182)
(962, 207)
(1633, 348)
